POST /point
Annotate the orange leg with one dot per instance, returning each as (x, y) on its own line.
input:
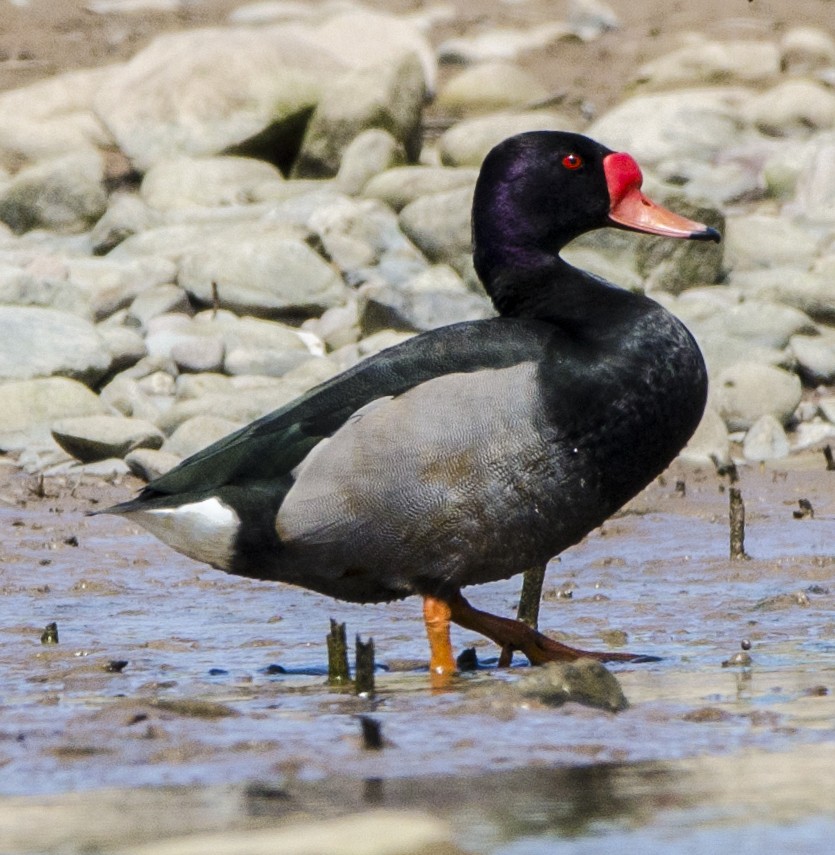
(513, 635)
(436, 616)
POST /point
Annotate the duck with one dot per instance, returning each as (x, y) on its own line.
(475, 451)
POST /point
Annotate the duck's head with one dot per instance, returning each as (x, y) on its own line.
(539, 190)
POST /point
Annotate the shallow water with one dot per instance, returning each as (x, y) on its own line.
(707, 758)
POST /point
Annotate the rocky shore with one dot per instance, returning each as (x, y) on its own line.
(193, 237)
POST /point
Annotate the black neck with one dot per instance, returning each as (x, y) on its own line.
(552, 290)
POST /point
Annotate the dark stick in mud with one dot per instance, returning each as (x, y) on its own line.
(338, 670)
(737, 520)
(364, 672)
(830, 461)
(529, 599)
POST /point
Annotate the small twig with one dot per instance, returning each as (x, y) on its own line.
(364, 670)
(830, 461)
(215, 300)
(339, 673)
(737, 521)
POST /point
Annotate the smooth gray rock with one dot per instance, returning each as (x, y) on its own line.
(792, 108)
(36, 342)
(691, 123)
(366, 38)
(360, 234)
(404, 184)
(110, 284)
(51, 118)
(503, 43)
(199, 354)
(261, 275)
(805, 49)
(90, 438)
(710, 443)
(747, 391)
(439, 225)
(808, 291)
(467, 142)
(61, 194)
(488, 87)
(198, 432)
(368, 154)
(721, 351)
(765, 440)
(338, 326)
(125, 345)
(815, 357)
(126, 215)
(123, 395)
(187, 182)
(815, 188)
(385, 307)
(204, 91)
(759, 322)
(389, 97)
(30, 406)
(585, 681)
(756, 241)
(148, 463)
(158, 300)
(703, 61)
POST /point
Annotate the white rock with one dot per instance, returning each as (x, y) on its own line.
(63, 194)
(36, 342)
(746, 391)
(389, 96)
(489, 86)
(815, 198)
(805, 49)
(368, 154)
(90, 438)
(184, 182)
(148, 463)
(765, 440)
(158, 300)
(363, 38)
(439, 225)
(794, 107)
(810, 292)
(702, 61)
(109, 284)
(202, 91)
(710, 443)
(754, 241)
(126, 346)
(403, 184)
(815, 357)
(51, 118)
(468, 142)
(30, 406)
(197, 433)
(261, 275)
(691, 123)
(503, 43)
(126, 215)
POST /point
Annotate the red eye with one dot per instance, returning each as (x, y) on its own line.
(572, 161)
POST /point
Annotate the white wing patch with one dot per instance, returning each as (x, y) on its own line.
(204, 530)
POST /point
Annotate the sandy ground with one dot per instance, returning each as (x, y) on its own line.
(207, 693)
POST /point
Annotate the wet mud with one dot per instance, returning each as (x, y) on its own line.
(201, 699)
